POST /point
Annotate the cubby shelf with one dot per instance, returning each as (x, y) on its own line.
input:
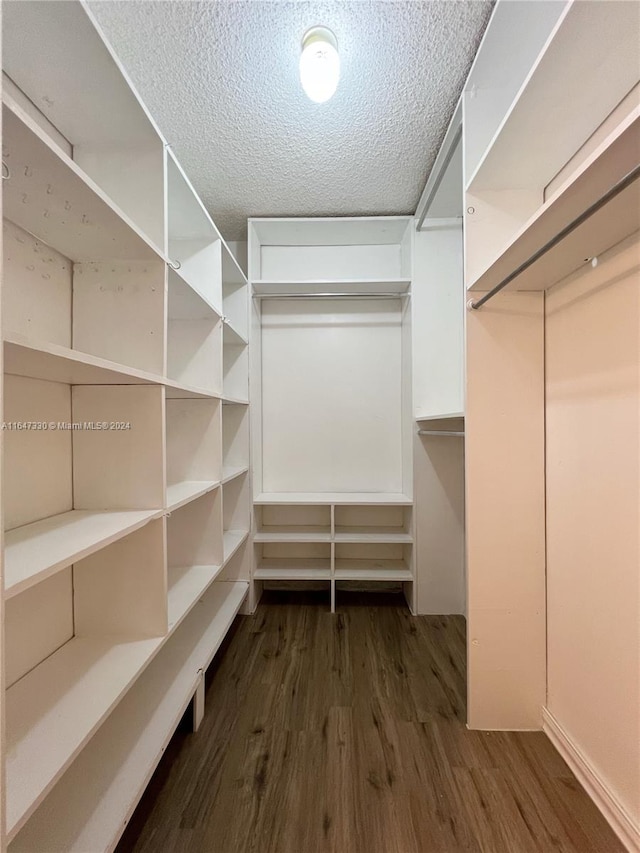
(422, 417)
(336, 498)
(185, 302)
(232, 540)
(99, 791)
(377, 536)
(230, 472)
(293, 569)
(292, 535)
(77, 218)
(179, 494)
(227, 400)
(372, 570)
(36, 551)
(347, 285)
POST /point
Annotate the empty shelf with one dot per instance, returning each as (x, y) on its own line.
(372, 535)
(231, 336)
(81, 222)
(99, 791)
(350, 286)
(338, 498)
(228, 400)
(53, 711)
(301, 534)
(232, 540)
(230, 472)
(372, 570)
(38, 550)
(293, 569)
(187, 584)
(182, 493)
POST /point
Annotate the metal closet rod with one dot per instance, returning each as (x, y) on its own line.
(329, 295)
(617, 188)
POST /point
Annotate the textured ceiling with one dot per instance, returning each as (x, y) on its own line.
(221, 80)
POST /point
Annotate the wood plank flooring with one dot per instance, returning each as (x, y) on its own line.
(345, 734)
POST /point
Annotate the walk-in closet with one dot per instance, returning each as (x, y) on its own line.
(320, 426)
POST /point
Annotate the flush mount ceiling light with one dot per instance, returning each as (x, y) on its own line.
(319, 64)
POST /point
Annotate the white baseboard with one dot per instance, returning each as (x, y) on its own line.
(614, 812)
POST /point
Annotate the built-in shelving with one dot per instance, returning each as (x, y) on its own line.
(378, 570)
(99, 791)
(527, 182)
(294, 569)
(123, 312)
(36, 551)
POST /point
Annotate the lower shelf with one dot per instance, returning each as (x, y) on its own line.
(293, 570)
(372, 570)
(231, 541)
(92, 802)
(187, 584)
(54, 710)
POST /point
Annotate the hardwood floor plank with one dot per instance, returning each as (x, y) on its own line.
(345, 733)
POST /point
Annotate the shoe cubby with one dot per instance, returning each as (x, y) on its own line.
(236, 516)
(295, 561)
(293, 523)
(373, 523)
(235, 439)
(373, 561)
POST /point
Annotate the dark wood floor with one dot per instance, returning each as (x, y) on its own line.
(345, 734)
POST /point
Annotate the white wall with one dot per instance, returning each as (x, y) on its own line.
(593, 512)
(331, 395)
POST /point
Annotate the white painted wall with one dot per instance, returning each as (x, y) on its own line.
(593, 507)
(331, 396)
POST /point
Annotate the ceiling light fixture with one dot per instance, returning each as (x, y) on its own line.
(319, 64)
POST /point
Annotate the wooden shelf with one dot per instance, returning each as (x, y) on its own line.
(185, 302)
(445, 416)
(36, 551)
(293, 569)
(230, 472)
(231, 337)
(54, 363)
(179, 494)
(353, 285)
(231, 541)
(610, 162)
(370, 535)
(337, 498)
(100, 790)
(53, 711)
(297, 534)
(372, 570)
(234, 401)
(585, 69)
(81, 222)
(187, 585)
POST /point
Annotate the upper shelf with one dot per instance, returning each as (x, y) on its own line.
(355, 286)
(358, 251)
(49, 196)
(607, 165)
(586, 67)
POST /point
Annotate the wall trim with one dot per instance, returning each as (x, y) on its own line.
(612, 809)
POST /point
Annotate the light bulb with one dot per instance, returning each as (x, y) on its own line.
(319, 64)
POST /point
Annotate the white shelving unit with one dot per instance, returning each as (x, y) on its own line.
(119, 532)
(525, 181)
(331, 408)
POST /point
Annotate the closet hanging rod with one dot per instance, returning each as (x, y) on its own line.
(617, 188)
(329, 295)
(440, 432)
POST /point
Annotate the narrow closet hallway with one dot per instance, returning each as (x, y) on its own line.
(346, 734)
